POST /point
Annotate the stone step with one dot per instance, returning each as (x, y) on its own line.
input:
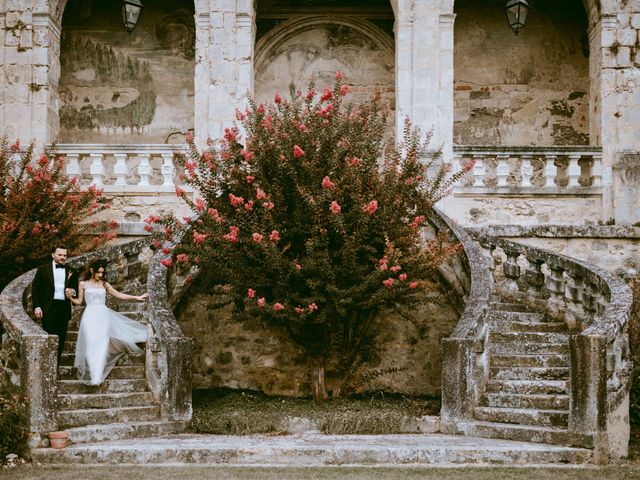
(532, 327)
(526, 387)
(68, 358)
(528, 337)
(92, 416)
(522, 416)
(119, 371)
(313, 450)
(510, 307)
(522, 347)
(533, 360)
(529, 373)
(78, 401)
(503, 316)
(121, 431)
(525, 433)
(540, 401)
(110, 385)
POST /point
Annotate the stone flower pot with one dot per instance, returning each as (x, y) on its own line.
(58, 439)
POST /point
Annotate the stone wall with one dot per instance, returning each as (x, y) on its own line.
(248, 355)
(117, 87)
(532, 89)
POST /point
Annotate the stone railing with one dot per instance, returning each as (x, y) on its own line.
(529, 170)
(123, 169)
(35, 365)
(593, 303)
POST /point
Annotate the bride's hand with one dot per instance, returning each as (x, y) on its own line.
(142, 297)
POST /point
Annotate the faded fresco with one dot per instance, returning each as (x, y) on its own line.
(117, 87)
(318, 51)
(532, 89)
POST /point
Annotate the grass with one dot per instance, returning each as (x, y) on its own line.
(234, 412)
(28, 472)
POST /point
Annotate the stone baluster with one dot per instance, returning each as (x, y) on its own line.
(97, 168)
(144, 169)
(502, 170)
(489, 250)
(120, 168)
(555, 285)
(573, 171)
(167, 169)
(526, 171)
(573, 290)
(534, 276)
(73, 165)
(596, 171)
(589, 298)
(511, 269)
(478, 172)
(550, 171)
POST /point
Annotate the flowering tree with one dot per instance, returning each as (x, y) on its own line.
(314, 221)
(39, 207)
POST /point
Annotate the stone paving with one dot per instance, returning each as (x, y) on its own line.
(314, 450)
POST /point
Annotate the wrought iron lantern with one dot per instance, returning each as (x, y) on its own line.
(516, 11)
(130, 12)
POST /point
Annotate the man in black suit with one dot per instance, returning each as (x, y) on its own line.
(49, 294)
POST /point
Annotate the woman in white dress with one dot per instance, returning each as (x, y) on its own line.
(104, 335)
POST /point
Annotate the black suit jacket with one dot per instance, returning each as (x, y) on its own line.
(43, 286)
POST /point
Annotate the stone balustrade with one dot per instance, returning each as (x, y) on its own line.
(596, 305)
(123, 169)
(530, 170)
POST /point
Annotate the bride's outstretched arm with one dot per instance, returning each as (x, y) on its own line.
(124, 296)
(77, 301)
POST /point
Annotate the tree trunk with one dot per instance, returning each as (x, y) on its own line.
(318, 385)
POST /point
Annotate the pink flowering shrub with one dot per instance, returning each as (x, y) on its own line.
(40, 207)
(314, 221)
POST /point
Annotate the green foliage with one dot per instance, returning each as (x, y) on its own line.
(13, 423)
(634, 341)
(315, 220)
(40, 207)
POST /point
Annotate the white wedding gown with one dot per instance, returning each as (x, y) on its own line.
(104, 336)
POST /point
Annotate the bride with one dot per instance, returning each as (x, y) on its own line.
(104, 335)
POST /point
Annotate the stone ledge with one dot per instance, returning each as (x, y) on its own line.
(559, 231)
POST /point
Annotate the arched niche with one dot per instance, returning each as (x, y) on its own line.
(318, 46)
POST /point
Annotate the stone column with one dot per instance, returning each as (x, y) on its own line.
(225, 38)
(30, 40)
(619, 82)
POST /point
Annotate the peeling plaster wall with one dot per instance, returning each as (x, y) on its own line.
(532, 89)
(318, 51)
(117, 87)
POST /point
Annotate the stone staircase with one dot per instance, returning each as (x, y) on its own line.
(526, 397)
(120, 408)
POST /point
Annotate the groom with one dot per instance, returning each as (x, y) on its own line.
(49, 294)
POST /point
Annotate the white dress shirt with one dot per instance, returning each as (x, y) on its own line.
(58, 282)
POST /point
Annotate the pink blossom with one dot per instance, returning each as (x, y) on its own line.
(355, 162)
(313, 307)
(216, 216)
(257, 237)
(249, 206)
(326, 94)
(278, 307)
(268, 205)
(297, 151)
(469, 166)
(251, 293)
(402, 277)
(189, 137)
(15, 146)
(232, 236)
(277, 98)
(249, 178)
(165, 250)
(235, 201)
(409, 181)
(268, 122)
(260, 195)
(396, 268)
(199, 237)
(327, 183)
(239, 115)
(417, 221)
(200, 205)
(311, 94)
(230, 134)
(388, 282)
(248, 156)
(299, 310)
(262, 302)
(275, 236)
(339, 75)
(323, 112)
(371, 207)
(261, 108)
(344, 89)
(182, 258)
(335, 208)
(180, 192)
(167, 262)
(413, 284)
(297, 265)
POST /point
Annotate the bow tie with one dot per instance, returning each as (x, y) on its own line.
(59, 266)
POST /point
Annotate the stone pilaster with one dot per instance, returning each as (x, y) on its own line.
(225, 37)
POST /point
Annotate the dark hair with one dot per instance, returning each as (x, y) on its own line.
(95, 266)
(57, 246)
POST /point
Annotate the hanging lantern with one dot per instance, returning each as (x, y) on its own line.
(130, 12)
(516, 11)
